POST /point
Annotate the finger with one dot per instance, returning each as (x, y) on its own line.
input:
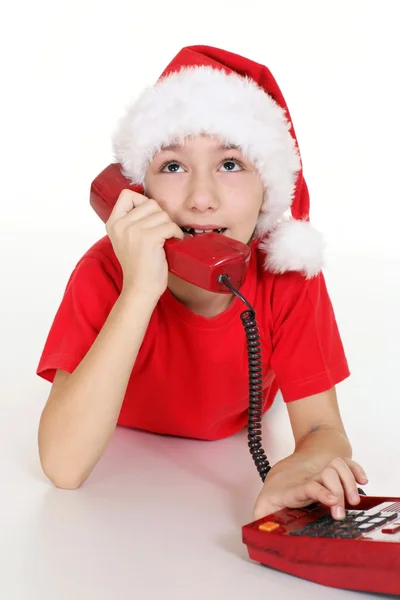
(347, 479)
(148, 207)
(169, 230)
(332, 482)
(264, 507)
(313, 490)
(261, 510)
(126, 202)
(329, 477)
(358, 472)
(154, 220)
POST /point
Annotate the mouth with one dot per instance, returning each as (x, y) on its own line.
(193, 232)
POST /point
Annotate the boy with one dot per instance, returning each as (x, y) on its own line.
(210, 147)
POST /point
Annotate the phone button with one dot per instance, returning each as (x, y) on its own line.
(269, 526)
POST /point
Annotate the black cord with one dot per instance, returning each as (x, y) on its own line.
(254, 432)
(254, 429)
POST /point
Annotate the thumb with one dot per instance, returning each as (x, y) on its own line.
(263, 507)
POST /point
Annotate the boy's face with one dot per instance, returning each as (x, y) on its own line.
(204, 185)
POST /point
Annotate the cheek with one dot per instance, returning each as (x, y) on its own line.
(168, 195)
(245, 189)
(166, 205)
(165, 189)
(246, 206)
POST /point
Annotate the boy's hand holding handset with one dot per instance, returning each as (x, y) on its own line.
(138, 229)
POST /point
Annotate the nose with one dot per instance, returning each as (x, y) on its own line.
(202, 194)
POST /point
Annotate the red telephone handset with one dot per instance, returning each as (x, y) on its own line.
(200, 260)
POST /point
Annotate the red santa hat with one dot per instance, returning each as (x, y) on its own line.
(206, 90)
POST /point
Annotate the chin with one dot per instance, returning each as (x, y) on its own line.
(244, 239)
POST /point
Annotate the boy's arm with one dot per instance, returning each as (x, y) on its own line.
(318, 430)
(82, 410)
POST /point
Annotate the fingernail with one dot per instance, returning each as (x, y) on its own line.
(338, 512)
(354, 497)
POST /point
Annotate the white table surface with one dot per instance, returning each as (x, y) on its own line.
(162, 517)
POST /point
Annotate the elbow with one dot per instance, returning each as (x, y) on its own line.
(61, 475)
(64, 483)
(62, 471)
(62, 480)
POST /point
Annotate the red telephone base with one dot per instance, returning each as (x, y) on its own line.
(368, 562)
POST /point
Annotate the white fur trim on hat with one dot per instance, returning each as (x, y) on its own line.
(203, 100)
(294, 246)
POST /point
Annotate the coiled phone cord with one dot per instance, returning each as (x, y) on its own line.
(254, 429)
(248, 318)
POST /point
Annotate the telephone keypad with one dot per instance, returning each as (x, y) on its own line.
(354, 525)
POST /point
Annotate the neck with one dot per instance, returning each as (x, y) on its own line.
(199, 301)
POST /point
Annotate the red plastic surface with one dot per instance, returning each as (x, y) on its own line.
(370, 563)
(199, 260)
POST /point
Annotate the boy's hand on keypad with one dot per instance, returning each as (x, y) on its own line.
(289, 485)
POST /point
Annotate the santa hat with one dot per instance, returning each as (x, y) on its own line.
(206, 90)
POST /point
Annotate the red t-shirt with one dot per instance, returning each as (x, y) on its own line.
(190, 377)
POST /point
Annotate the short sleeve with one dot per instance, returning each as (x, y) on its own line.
(88, 298)
(307, 351)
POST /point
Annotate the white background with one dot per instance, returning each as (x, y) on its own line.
(68, 69)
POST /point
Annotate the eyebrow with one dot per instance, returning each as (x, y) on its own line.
(218, 148)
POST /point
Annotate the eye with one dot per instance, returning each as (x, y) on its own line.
(230, 165)
(171, 167)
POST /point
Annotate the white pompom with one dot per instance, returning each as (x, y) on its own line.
(294, 246)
